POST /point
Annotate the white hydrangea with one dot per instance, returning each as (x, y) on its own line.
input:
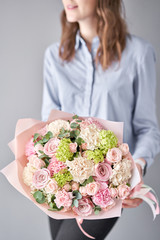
(81, 168)
(90, 135)
(56, 126)
(28, 172)
(121, 172)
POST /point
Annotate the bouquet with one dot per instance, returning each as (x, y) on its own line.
(75, 167)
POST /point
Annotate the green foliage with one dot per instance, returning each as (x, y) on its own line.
(39, 197)
(89, 180)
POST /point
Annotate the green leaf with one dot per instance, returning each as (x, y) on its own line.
(55, 209)
(97, 209)
(78, 120)
(36, 135)
(75, 117)
(128, 184)
(89, 180)
(39, 197)
(41, 151)
(79, 141)
(75, 202)
(96, 212)
(74, 125)
(77, 194)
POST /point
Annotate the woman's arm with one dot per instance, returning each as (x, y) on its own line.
(145, 123)
(50, 98)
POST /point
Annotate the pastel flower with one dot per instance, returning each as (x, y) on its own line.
(92, 188)
(103, 171)
(102, 198)
(63, 198)
(51, 146)
(67, 187)
(73, 147)
(83, 191)
(113, 192)
(110, 205)
(51, 186)
(29, 148)
(36, 162)
(56, 126)
(75, 186)
(55, 166)
(124, 148)
(84, 146)
(123, 191)
(114, 155)
(41, 178)
(38, 147)
(81, 168)
(103, 184)
(85, 207)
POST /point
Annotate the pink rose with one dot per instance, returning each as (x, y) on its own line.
(38, 147)
(55, 166)
(29, 148)
(102, 198)
(41, 178)
(85, 207)
(75, 186)
(84, 146)
(63, 198)
(114, 155)
(102, 171)
(51, 187)
(124, 149)
(123, 191)
(67, 187)
(73, 147)
(36, 162)
(113, 192)
(92, 188)
(83, 191)
(51, 146)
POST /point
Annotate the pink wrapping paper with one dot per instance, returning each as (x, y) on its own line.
(25, 128)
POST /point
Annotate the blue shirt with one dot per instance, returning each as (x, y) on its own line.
(124, 92)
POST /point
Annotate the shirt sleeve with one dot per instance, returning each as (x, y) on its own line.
(145, 124)
(50, 98)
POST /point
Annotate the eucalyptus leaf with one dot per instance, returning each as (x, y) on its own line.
(39, 197)
(75, 202)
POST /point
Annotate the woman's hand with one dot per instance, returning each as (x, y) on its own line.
(132, 203)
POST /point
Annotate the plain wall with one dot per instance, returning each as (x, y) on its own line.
(26, 29)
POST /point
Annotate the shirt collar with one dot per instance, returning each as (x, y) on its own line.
(80, 41)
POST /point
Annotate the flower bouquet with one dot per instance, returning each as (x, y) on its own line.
(74, 167)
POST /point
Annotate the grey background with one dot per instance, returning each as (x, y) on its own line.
(26, 29)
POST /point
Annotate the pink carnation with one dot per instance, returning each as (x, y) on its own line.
(55, 166)
(102, 198)
(41, 178)
(90, 121)
(114, 155)
(73, 147)
(103, 171)
(51, 146)
(29, 148)
(85, 207)
(63, 198)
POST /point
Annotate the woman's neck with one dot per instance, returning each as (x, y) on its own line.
(88, 31)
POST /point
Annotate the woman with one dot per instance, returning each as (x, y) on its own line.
(99, 69)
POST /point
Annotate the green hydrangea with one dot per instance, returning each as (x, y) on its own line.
(63, 152)
(62, 177)
(96, 155)
(108, 140)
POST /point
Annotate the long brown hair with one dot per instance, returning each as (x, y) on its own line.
(111, 30)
